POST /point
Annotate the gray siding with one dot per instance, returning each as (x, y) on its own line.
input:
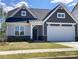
(39, 13)
(54, 18)
(18, 14)
(76, 32)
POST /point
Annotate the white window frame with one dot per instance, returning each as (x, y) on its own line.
(59, 13)
(19, 30)
(23, 13)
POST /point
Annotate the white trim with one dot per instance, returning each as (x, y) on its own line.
(14, 12)
(21, 8)
(69, 12)
(36, 22)
(60, 13)
(31, 13)
(23, 13)
(19, 30)
(50, 15)
(43, 29)
(60, 23)
(31, 31)
(14, 23)
(55, 11)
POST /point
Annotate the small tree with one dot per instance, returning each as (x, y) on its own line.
(3, 24)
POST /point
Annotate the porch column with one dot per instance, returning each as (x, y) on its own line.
(32, 30)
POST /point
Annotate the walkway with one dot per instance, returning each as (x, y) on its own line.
(71, 44)
(36, 51)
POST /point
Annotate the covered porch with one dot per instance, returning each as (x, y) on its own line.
(36, 30)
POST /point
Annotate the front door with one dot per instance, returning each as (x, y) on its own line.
(35, 36)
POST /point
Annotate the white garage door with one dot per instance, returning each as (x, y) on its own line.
(60, 33)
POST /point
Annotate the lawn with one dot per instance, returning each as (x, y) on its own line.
(26, 45)
(36, 55)
(2, 33)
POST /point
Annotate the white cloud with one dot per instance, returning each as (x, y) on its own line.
(8, 8)
(73, 4)
(2, 4)
(21, 3)
(62, 1)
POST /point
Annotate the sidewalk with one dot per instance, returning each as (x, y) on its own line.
(74, 46)
(36, 51)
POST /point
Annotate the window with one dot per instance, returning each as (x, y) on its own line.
(23, 13)
(19, 30)
(60, 15)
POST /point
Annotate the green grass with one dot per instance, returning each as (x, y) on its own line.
(36, 55)
(2, 33)
(26, 45)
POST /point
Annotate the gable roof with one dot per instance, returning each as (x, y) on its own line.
(22, 7)
(39, 13)
(76, 6)
(50, 12)
(75, 11)
(55, 9)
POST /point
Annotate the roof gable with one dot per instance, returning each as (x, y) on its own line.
(17, 13)
(75, 7)
(75, 11)
(52, 15)
(39, 13)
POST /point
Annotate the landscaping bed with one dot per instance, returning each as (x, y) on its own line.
(26, 45)
(37, 55)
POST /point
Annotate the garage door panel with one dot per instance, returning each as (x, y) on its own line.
(60, 33)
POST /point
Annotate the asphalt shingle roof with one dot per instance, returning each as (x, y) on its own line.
(39, 13)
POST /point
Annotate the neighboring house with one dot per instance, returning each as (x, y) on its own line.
(25, 23)
(75, 14)
(75, 11)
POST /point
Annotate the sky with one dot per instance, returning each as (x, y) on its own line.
(44, 4)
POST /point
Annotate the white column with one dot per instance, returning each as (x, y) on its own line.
(43, 29)
(32, 30)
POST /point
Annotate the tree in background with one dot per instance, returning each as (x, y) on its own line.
(2, 24)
